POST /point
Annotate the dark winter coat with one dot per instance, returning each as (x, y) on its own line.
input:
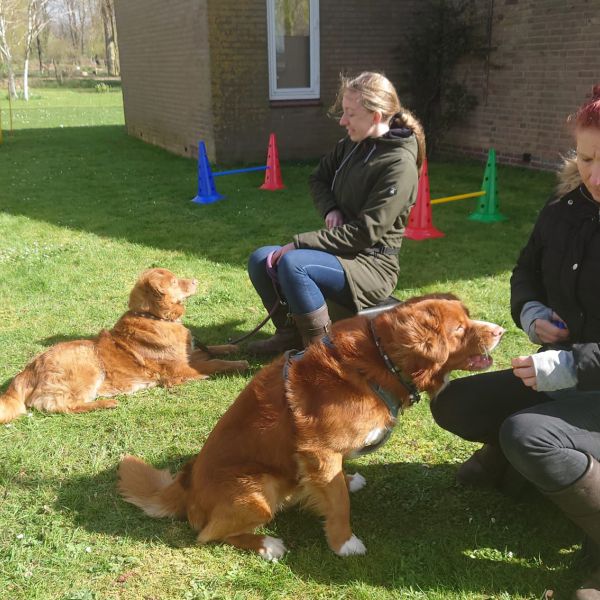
(374, 184)
(560, 267)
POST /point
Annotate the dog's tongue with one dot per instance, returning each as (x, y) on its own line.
(479, 362)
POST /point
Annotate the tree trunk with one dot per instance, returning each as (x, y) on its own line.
(12, 88)
(110, 37)
(39, 52)
(5, 51)
(26, 76)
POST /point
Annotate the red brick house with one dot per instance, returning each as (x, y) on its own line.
(229, 73)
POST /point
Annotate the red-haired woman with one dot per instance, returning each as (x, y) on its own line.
(542, 418)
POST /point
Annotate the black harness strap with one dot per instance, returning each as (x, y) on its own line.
(414, 395)
(393, 404)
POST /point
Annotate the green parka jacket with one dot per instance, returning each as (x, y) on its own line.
(374, 184)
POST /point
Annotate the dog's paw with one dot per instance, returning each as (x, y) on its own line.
(352, 546)
(107, 403)
(243, 365)
(273, 548)
(356, 482)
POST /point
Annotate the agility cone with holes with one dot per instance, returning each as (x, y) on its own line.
(207, 192)
(273, 179)
(420, 226)
(487, 211)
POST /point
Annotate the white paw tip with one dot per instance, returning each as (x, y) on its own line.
(273, 548)
(357, 482)
(352, 546)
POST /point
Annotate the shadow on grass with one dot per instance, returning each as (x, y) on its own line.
(488, 544)
(101, 181)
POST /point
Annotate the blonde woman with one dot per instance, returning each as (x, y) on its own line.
(364, 190)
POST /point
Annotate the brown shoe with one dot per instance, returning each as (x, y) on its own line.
(590, 588)
(285, 338)
(486, 468)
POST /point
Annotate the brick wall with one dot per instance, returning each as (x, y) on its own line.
(199, 70)
(546, 58)
(244, 117)
(165, 68)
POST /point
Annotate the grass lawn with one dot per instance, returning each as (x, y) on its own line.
(84, 209)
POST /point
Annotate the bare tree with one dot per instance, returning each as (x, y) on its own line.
(7, 8)
(78, 14)
(37, 20)
(110, 37)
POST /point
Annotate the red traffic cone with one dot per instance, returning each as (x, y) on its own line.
(273, 179)
(420, 226)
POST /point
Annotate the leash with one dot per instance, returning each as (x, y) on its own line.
(260, 325)
(272, 273)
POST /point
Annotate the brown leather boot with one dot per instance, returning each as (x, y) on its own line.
(485, 468)
(313, 325)
(286, 337)
(581, 503)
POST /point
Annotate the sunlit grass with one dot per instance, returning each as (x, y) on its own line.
(86, 208)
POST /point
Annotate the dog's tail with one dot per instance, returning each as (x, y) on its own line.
(12, 402)
(155, 491)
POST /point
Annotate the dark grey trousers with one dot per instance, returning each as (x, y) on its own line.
(545, 436)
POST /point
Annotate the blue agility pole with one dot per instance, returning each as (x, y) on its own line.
(207, 192)
(234, 171)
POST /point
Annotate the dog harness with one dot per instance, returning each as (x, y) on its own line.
(394, 404)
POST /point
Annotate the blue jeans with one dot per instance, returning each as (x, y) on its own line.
(306, 279)
(545, 436)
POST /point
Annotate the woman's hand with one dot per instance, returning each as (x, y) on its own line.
(279, 253)
(551, 332)
(523, 368)
(334, 218)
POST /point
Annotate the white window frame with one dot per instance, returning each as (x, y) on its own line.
(304, 93)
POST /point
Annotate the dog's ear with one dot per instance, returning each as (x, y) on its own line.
(420, 343)
(148, 293)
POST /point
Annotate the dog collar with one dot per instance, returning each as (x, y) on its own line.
(147, 315)
(413, 393)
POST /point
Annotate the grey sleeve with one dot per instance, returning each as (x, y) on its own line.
(530, 312)
(554, 370)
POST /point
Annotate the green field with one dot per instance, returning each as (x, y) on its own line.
(83, 209)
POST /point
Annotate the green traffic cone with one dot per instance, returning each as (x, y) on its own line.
(488, 203)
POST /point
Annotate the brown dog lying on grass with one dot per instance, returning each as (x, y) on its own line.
(148, 346)
(285, 437)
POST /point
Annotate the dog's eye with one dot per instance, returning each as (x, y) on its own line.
(173, 282)
(459, 330)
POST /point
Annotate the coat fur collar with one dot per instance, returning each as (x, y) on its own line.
(568, 176)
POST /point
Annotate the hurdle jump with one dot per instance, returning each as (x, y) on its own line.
(207, 192)
(420, 225)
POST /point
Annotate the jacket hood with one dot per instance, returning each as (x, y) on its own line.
(399, 137)
(568, 176)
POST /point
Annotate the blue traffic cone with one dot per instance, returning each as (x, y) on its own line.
(207, 192)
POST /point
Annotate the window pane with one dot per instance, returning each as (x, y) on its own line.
(292, 36)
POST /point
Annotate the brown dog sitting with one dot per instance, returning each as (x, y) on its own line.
(148, 346)
(285, 437)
